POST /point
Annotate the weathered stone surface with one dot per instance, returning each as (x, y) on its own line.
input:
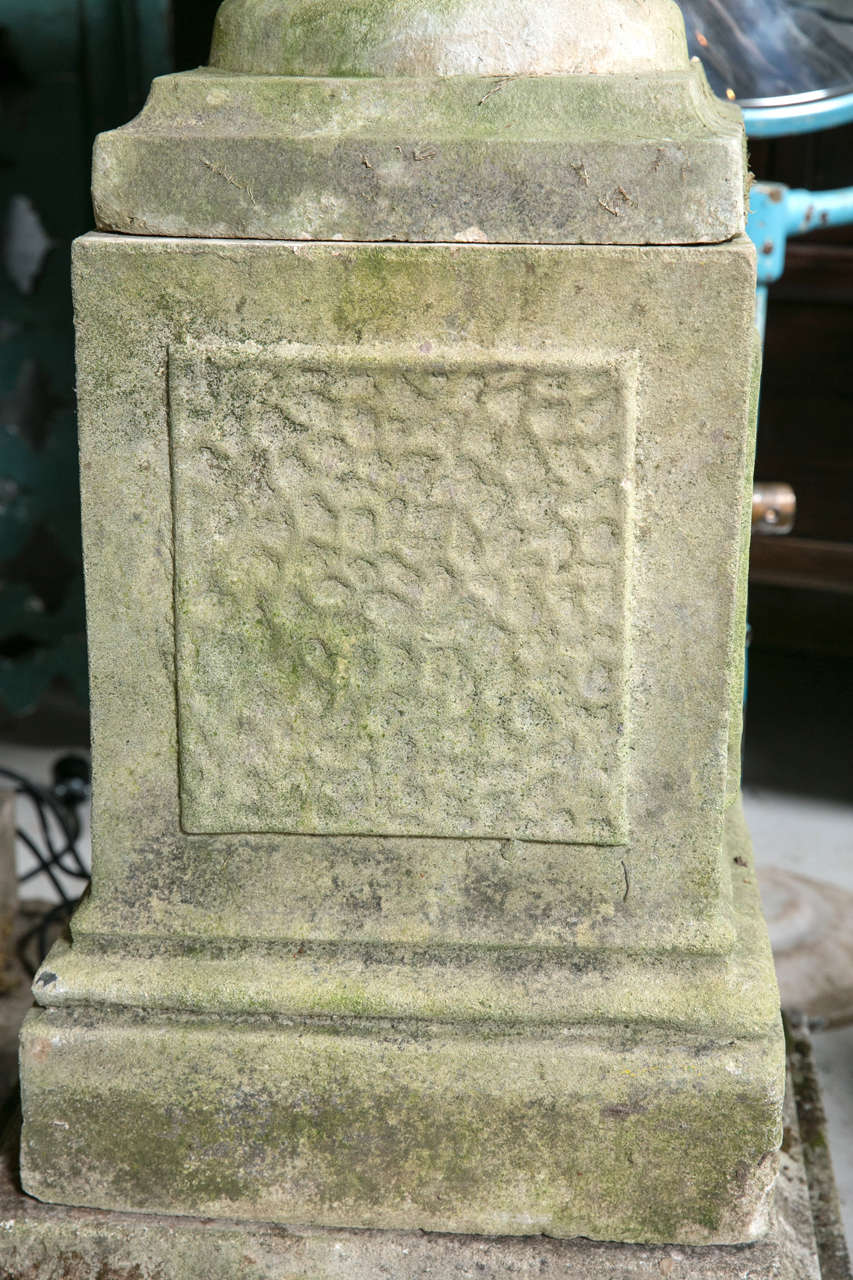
(47, 1241)
(431, 122)
(422, 898)
(560, 123)
(227, 1111)
(487, 961)
(403, 1125)
(434, 37)
(728, 995)
(639, 159)
(139, 299)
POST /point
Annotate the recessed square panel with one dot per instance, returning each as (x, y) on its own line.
(401, 592)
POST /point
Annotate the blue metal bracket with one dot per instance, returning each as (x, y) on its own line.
(778, 212)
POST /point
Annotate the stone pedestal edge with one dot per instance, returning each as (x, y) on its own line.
(532, 159)
(38, 1239)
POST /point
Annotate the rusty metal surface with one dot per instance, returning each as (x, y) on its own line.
(774, 508)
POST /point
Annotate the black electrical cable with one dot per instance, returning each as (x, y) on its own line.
(52, 857)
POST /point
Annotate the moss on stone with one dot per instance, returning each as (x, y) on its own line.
(390, 1129)
(547, 159)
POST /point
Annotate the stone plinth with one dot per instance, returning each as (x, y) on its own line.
(804, 1240)
(416, 579)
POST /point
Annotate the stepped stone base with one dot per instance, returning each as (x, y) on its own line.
(399, 1126)
(50, 1241)
(501, 1125)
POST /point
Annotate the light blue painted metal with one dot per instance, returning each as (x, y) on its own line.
(810, 210)
(786, 119)
(778, 212)
(761, 311)
(767, 228)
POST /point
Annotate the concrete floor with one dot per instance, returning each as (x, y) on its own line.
(815, 838)
(809, 836)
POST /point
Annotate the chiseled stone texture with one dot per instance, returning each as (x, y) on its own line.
(387, 1026)
(401, 592)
